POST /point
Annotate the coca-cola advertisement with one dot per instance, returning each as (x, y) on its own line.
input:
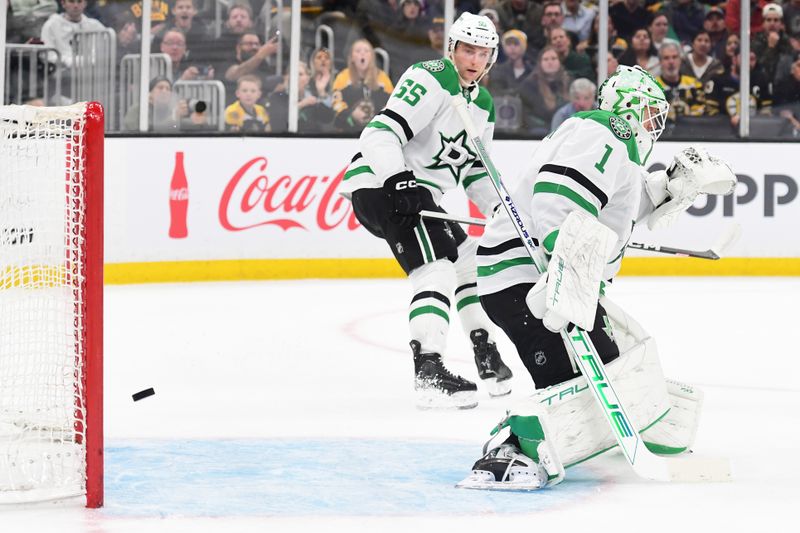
(232, 199)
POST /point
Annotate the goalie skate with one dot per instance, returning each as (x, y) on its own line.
(491, 369)
(505, 468)
(436, 387)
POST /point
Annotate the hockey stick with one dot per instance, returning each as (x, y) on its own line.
(715, 252)
(578, 343)
(724, 242)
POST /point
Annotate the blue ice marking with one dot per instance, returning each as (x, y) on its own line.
(302, 477)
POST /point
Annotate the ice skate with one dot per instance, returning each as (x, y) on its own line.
(491, 368)
(505, 468)
(435, 386)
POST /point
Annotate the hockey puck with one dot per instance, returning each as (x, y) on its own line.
(143, 394)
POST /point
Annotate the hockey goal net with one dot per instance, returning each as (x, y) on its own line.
(51, 303)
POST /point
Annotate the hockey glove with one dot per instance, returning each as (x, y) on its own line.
(405, 201)
(693, 172)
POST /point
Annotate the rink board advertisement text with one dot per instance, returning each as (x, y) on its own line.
(239, 208)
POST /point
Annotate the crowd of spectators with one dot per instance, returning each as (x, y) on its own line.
(546, 70)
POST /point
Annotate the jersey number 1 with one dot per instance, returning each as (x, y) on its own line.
(601, 166)
(414, 90)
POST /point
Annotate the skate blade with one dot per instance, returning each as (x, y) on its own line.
(474, 482)
(439, 400)
(497, 388)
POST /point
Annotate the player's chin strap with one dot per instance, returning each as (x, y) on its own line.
(469, 85)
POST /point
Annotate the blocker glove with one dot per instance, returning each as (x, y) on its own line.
(406, 204)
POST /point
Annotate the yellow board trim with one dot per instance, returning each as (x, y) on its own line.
(263, 269)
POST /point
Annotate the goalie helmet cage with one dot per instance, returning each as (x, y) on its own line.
(51, 303)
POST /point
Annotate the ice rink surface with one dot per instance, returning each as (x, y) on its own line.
(288, 406)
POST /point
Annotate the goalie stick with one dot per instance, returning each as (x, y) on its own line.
(644, 463)
(725, 241)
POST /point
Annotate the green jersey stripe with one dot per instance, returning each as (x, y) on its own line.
(381, 126)
(563, 190)
(430, 184)
(469, 180)
(358, 170)
(484, 271)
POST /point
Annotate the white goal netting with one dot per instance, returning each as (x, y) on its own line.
(42, 308)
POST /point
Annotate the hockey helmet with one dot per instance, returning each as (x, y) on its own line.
(633, 94)
(477, 30)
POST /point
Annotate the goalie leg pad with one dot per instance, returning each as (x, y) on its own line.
(577, 426)
(666, 412)
(675, 433)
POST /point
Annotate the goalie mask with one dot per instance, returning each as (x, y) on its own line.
(633, 94)
(476, 30)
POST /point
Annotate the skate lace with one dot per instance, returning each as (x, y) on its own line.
(443, 370)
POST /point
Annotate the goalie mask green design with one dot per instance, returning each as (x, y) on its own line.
(634, 95)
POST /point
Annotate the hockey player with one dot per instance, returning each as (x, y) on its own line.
(409, 155)
(585, 183)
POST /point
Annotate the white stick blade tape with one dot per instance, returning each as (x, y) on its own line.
(694, 469)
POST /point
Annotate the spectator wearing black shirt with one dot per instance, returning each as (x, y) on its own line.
(791, 20)
(313, 116)
(552, 17)
(714, 24)
(407, 38)
(544, 91)
(628, 16)
(787, 96)
(249, 57)
(723, 91)
(771, 42)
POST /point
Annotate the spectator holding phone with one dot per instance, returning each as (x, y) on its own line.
(250, 57)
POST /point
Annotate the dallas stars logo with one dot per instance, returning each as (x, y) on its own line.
(607, 327)
(455, 155)
(620, 128)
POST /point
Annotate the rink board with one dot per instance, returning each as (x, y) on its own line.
(269, 208)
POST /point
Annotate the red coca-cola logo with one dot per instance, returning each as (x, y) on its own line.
(252, 198)
(179, 194)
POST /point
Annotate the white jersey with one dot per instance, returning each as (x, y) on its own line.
(419, 130)
(590, 162)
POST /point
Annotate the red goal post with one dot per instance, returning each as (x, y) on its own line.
(51, 303)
